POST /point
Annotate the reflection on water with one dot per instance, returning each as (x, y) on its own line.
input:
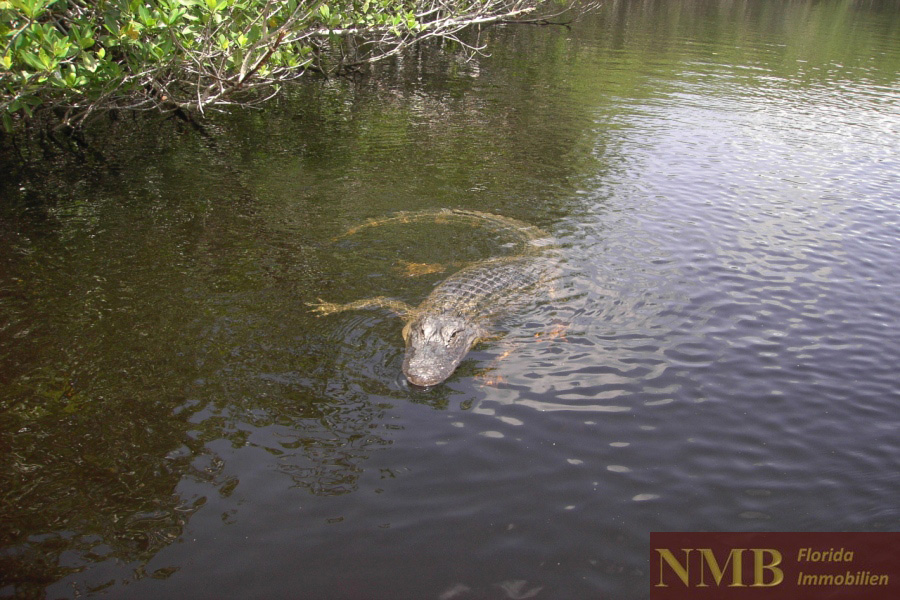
(719, 353)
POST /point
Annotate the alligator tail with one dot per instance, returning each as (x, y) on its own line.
(529, 236)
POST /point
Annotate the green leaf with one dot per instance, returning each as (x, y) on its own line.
(89, 62)
(174, 16)
(145, 16)
(31, 59)
(85, 42)
(30, 8)
(61, 48)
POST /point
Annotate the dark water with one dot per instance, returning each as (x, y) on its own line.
(723, 180)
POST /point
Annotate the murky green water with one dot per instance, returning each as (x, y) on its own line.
(722, 178)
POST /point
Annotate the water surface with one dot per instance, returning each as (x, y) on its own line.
(720, 355)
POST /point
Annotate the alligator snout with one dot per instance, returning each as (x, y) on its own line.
(435, 345)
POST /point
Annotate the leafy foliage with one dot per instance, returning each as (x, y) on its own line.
(78, 56)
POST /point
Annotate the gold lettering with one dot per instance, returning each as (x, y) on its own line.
(759, 567)
(707, 556)
(682, 571)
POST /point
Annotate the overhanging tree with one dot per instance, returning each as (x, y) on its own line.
(78, 57)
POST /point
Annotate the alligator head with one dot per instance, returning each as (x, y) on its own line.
(435, 345)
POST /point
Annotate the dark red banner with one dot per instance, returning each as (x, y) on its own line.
(775, 566)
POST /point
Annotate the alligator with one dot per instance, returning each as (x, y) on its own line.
(458, 313)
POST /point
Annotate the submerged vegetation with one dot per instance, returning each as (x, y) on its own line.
(70, 59)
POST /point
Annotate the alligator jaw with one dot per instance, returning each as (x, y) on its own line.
(435, 345)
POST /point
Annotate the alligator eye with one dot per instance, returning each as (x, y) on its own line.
(446, 336)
